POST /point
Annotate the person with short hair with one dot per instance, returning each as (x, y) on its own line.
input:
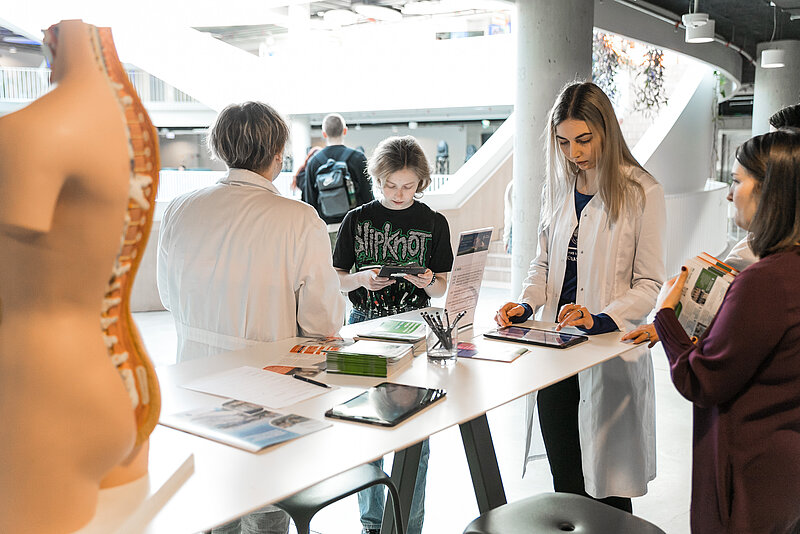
(599, 268)
(395, 230)
(334, 130)
(240, 264)
(788, 117)
(743, 374)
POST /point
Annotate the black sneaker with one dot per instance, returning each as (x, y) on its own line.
(372, 531)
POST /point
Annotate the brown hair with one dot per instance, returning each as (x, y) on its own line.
(397, 153)
(588, 103)
(248, 136)
(773, 160)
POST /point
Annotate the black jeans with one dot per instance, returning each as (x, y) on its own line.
(558, 415)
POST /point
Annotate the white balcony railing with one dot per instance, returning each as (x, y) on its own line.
(23, 84)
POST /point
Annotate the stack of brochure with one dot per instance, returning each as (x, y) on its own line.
(397, 331)
(369, 358)
(706, 285)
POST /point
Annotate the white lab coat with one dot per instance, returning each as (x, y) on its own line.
(741, 255)
(620, 271)
(239, 264)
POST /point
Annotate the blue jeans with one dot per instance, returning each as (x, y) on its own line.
(268, 520)
(371, 500)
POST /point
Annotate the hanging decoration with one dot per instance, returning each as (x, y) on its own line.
(649, 92)
(613, 55)
(606, 62)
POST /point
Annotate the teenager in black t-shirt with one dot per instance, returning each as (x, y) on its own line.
(395, 230)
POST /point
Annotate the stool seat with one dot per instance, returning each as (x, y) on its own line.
(557, 513)
(304, 505)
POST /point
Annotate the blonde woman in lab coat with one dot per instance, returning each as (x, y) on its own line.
(599, 267)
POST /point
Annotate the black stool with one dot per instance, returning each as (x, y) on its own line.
(558, 513)
(302, 506)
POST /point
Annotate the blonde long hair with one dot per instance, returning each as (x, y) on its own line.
(588, 103)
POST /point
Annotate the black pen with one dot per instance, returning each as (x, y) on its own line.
(304, 379)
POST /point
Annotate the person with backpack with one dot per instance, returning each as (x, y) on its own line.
(336, 176)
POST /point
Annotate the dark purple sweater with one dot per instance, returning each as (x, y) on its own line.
(743, 377)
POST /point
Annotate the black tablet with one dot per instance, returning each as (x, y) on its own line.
(535, 336)
(386, 404)
(400, 270)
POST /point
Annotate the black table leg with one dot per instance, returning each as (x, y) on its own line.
(404, 476)
(482, 462)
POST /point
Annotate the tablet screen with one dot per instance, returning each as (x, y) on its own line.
(534, 336)
(400, 270)
(386, 404)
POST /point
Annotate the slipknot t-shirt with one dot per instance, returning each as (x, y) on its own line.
(372, 234)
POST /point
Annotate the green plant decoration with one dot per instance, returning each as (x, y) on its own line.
(649, 93)
(605, 64)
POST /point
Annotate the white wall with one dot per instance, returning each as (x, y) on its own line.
(684, 159)
(188, 150)
(20, 59)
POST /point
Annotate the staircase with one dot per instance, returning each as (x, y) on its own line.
(498, 267)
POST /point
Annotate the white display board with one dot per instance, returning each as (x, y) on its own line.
(467, 273)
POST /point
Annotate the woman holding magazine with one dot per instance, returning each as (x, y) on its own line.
(743, 374)
(599, 268)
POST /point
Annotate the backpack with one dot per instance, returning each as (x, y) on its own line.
(336, 190)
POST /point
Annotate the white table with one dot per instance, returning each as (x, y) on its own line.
(228, 483)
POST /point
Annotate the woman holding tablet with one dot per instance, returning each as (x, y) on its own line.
(599, 268)
(395, 230)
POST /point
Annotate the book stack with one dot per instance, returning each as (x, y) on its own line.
(397, 331)
(369, 358)
(706, 285)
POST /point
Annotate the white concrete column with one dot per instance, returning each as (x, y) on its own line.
(775, 88)
(300, 139)
(554, 46)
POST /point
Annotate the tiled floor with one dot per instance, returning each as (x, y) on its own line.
(450, 503)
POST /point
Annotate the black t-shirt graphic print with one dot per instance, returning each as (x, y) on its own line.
(373, 235)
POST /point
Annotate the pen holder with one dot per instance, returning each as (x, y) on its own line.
(442, 346)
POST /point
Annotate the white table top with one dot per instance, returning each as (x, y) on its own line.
(228, 482)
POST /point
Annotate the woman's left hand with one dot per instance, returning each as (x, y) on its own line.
(673, 290)
(642, 333)
(574, 315)
(422, 280)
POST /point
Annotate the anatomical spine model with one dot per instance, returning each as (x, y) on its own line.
(78, 171)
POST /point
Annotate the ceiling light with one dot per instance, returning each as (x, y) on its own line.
(694, 20)
(378, 12)
(773, 58)
(412, 125)
(340, 17)
(700, 34)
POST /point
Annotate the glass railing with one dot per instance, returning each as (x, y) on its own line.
(23, 84)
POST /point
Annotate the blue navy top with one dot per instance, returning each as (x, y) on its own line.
(602, 322)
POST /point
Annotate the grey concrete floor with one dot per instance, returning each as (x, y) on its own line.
(450, 502)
